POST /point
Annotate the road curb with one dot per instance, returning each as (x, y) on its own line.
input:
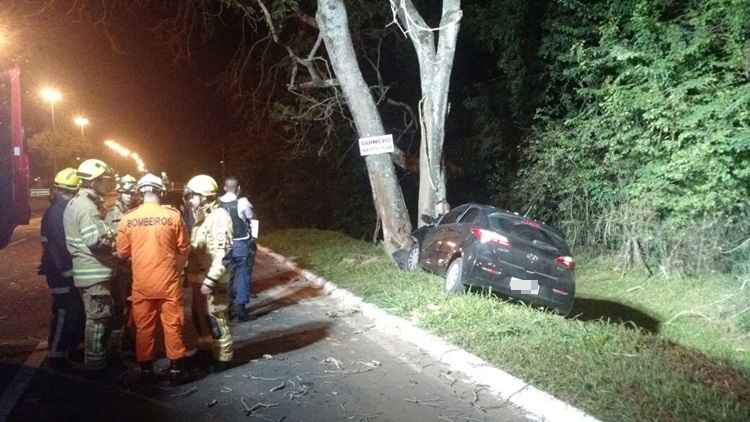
(542, 406)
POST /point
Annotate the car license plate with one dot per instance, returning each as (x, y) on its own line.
(529, 287)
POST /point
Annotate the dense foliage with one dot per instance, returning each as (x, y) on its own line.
(645, 129)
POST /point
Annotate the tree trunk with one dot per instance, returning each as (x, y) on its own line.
(387, 195)
(435, 67)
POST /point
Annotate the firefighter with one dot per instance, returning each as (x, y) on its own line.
(89, 242)
(66, 326)
(156, 240)
(211, 240)
(243, 246)
(123, 277)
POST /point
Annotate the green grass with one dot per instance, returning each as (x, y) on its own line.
(618, 359)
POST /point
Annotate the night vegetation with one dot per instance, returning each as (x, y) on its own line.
(664, 349)
(625, 123)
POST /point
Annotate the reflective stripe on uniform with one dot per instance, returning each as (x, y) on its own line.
(68, 273)
(59, 324)
(44, 239)
(88, 229)
(90, 237)
(93, 277)
(60, 290)
(74, 241)
(90, 270)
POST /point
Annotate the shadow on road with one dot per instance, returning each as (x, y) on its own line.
(271, 304)
(280, 341)
(54, 396)
(587, 309)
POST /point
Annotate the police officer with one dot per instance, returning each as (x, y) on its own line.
(89, 242)
(211, 239)
(243, 246)
(66, 326)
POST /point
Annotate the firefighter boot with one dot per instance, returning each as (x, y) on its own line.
(147, 376)
(178, 374)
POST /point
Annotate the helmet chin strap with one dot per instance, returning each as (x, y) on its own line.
(204, 208)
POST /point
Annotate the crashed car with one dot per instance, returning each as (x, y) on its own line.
(480, 245)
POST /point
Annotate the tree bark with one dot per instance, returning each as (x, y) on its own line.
(435, 68)
(389, 201)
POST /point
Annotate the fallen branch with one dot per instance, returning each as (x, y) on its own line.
(632, 289)
(303, 389)
(261, 378)
(186, 393)
(261, 405)
(740, 313)
(476, 395)
(245, 406)
(429, 403)
(744, 243)
(684, 313)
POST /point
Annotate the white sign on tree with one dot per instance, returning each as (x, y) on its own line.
(376, 145)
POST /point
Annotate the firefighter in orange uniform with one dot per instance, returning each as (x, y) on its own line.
(156, 240)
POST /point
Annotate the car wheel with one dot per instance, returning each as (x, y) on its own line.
(454, 277)
(412, 261)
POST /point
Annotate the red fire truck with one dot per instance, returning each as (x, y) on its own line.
(15, 176)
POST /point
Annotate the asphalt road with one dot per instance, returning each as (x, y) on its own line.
(301, 358)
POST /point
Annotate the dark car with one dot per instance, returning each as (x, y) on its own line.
(482, 246)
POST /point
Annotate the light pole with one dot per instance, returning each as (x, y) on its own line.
(82, 122)
(52, 95)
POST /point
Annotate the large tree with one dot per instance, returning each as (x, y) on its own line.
(436, 48)
(320, 79)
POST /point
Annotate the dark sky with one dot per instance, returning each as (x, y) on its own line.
(166, 112)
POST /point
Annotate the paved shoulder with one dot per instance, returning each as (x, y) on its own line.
(302, 357)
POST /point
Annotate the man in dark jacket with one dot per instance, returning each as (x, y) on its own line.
(66, 327)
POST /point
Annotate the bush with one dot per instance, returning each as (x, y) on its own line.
(645, 134)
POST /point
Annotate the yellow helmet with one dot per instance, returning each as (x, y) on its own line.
(67, 179)
(203, 185)
(92, 169)
(126, 184)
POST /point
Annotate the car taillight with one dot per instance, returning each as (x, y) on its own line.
(532, 223)
(486, 236)
(566, 262)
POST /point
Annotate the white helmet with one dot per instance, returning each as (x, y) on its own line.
(150, 183)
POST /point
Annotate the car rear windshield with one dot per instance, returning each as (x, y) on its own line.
(533, 233)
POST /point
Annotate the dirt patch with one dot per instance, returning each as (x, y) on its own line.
(648, 404)
(729, 381)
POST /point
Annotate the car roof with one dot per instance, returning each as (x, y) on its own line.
(489, 209)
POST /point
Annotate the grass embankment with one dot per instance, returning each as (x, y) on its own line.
(638, 349)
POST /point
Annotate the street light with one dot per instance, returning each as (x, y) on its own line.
(82, 122)
(51, 95)
(124, 152)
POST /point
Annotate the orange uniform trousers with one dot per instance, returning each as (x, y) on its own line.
(146, 312)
